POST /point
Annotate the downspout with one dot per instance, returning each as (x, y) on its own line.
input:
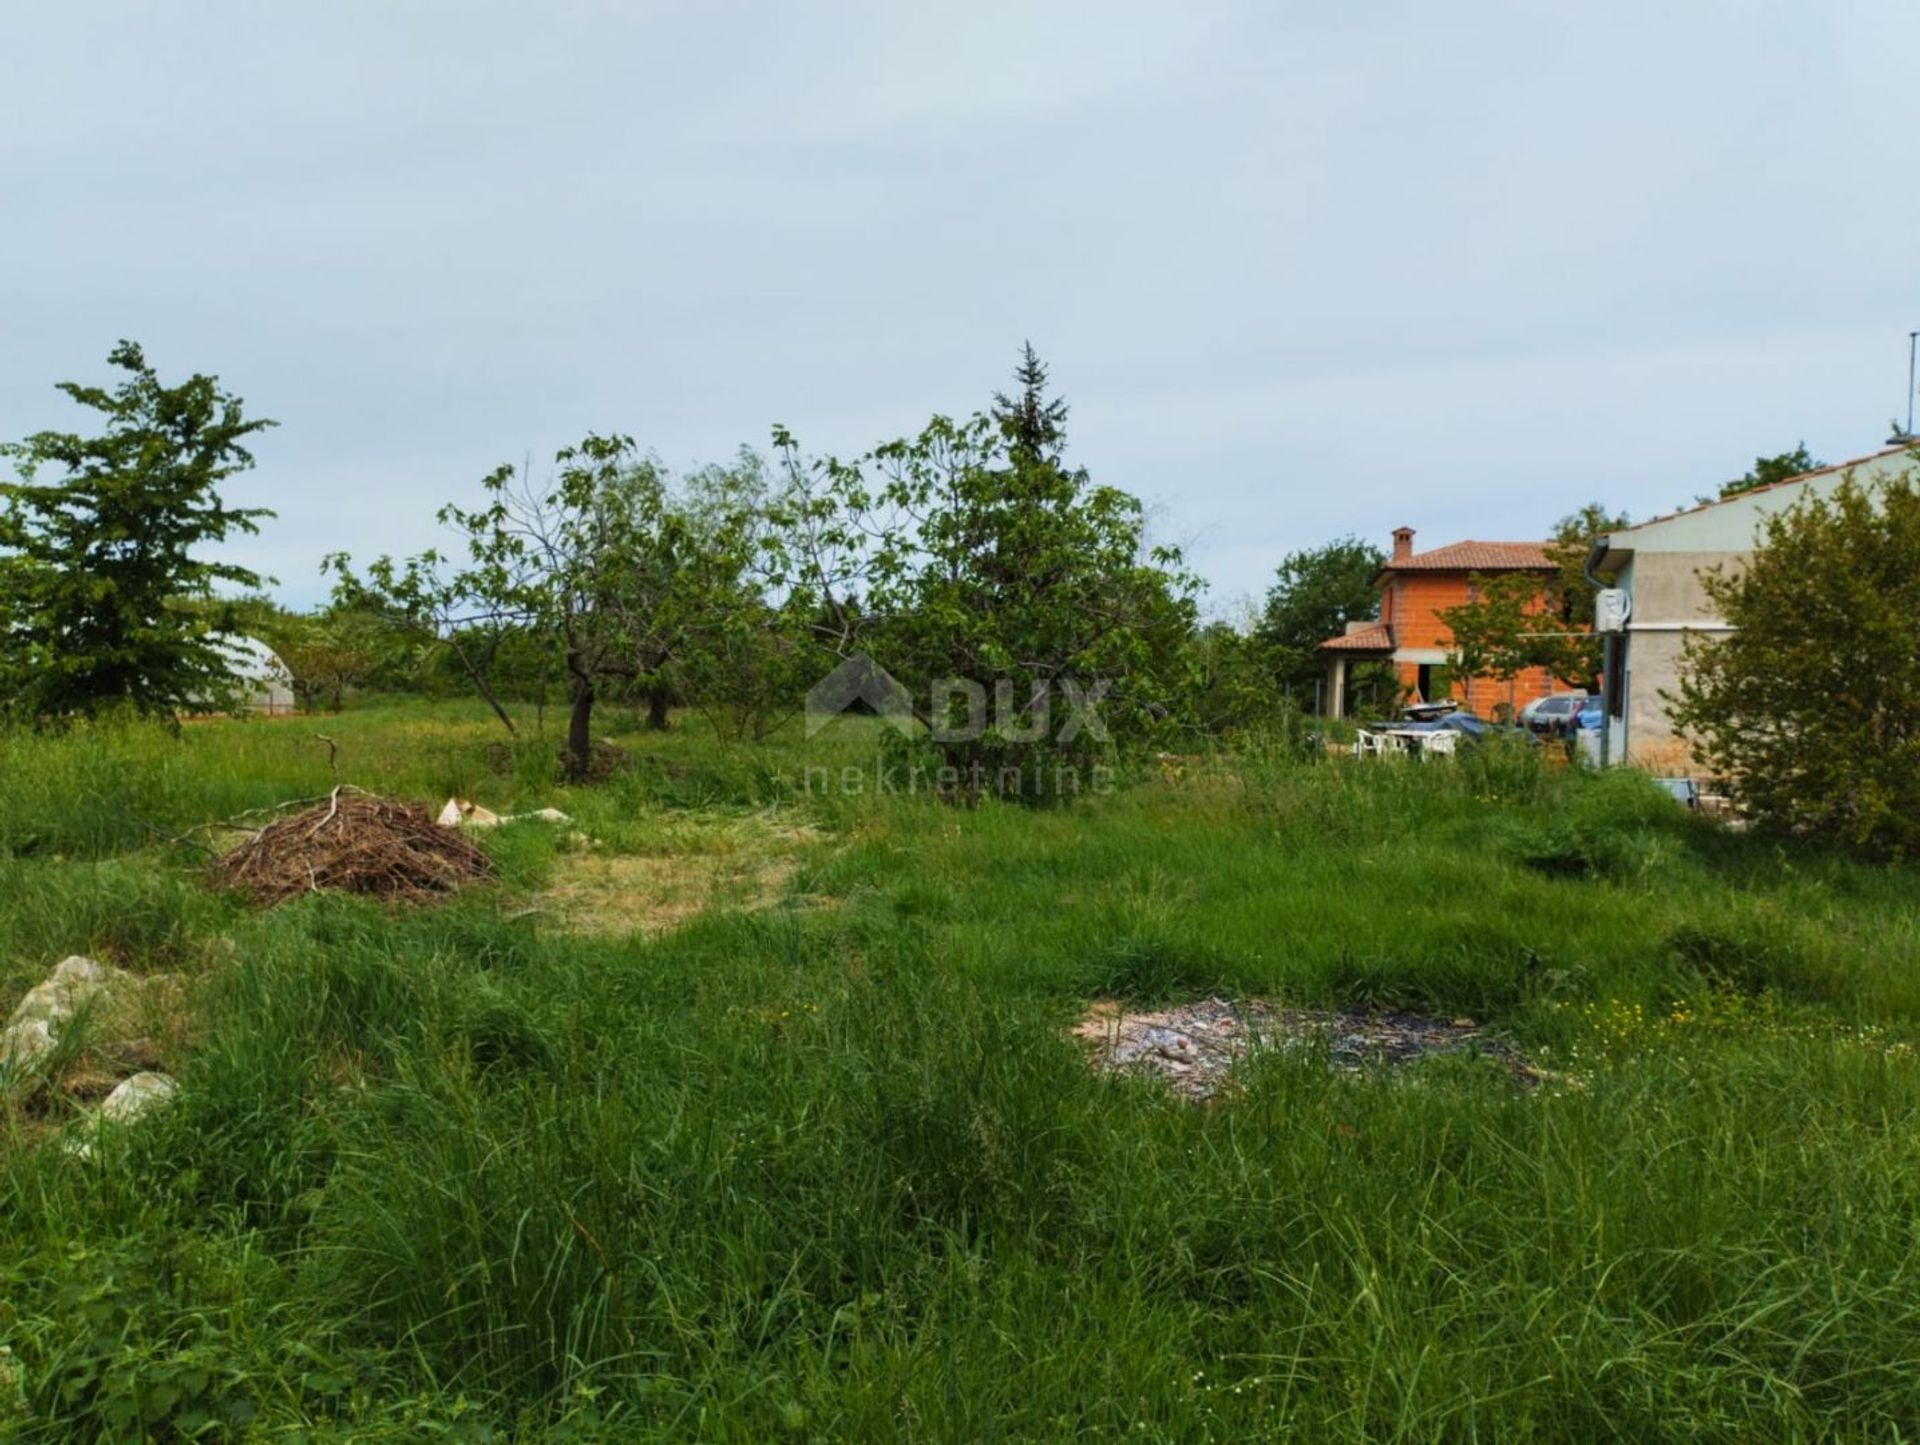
(1612, 655)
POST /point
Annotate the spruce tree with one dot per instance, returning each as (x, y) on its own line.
(1034, 426)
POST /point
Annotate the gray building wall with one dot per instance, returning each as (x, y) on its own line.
(1659, 563)
(1669, 604)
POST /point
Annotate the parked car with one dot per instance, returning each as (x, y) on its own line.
(1552, 716)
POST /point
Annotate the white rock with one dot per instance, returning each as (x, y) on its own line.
(77, 985)
(131, 1100)
(23, 1045)
(136, 1097)
(74, 983)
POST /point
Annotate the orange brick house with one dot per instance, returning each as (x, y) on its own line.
(1409, 635)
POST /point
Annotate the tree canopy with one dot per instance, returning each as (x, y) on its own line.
(101, 548)
(1316, 592)
(1777, 468)
(604, 564)
(972, 562)
(1519, 620)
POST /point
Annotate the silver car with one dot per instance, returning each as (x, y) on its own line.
(1554, 715)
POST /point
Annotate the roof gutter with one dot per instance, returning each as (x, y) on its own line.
(1602, 544)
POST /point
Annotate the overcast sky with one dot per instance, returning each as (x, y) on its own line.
(1300, 269)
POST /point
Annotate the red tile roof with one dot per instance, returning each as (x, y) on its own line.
(1378, 637)
(1476, 557)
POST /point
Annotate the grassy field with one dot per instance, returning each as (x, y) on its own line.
(756, 1116)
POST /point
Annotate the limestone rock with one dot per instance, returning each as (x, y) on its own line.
(74, 984)
(136, 1097)
(23, 1045)
(106, 995)
(131, 1100)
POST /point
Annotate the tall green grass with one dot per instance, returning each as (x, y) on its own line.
(832, 1170)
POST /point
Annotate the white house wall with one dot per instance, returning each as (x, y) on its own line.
(1661, 573)
(1729, 526)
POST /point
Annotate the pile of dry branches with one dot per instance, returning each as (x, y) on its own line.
(354, 842)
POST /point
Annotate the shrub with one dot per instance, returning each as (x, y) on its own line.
(1807, 708)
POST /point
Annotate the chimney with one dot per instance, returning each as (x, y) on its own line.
(1402, 543)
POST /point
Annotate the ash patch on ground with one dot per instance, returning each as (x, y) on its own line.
(1194, 1047)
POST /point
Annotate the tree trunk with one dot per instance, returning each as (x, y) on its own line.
(659, 705)
(580, 732)
(479, 681)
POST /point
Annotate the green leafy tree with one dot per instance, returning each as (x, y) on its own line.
(748, 672)
(1777, 468)
(520, 665)
(255, 614)
(601, 563)
(430, 612)
(1229, 684)
(1499, 632)
(1517, 621)
(748, 664)
(101, 548)
(524, 667)
(1315, 594)
(327, 655)
(572, 562)
(1572, 653)
(1806, 709)
(991, 574)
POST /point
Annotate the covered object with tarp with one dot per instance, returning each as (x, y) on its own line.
(262, 683)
